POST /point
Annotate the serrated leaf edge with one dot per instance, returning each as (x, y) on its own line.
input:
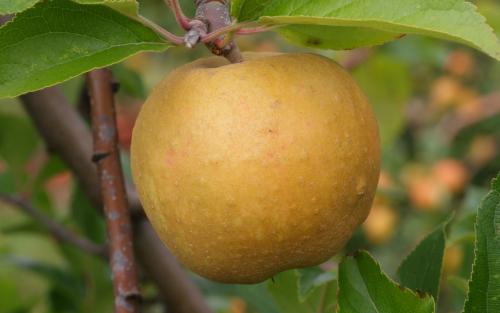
(495, 184)
(389, 279)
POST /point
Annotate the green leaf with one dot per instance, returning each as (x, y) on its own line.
(10, 297)
(18, 140)
(364, 288)
(491, 10)
(256, 296)
(388, 93)
(311, 278)
(455, 20)
(57, 40)
(337, 38)
(484, 285)
(285, 291)
(421, 269)
(462, 230)
(88, 219)
(14, 6)
(7, 181)
(128, 7)
(66, 289)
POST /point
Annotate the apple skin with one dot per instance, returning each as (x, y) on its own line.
(246, 170)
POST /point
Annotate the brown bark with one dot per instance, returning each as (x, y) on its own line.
(66, 134)
(115, 206)
(179, 292)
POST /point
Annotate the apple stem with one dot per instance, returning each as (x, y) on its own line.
(212, 26)
(215, 15)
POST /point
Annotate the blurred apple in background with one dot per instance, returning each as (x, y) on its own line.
(460, 63)
(482, 150)
(379, 227)
(452, 174)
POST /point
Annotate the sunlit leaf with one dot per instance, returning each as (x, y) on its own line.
(57, 40)
(455, 20)
(14, 6)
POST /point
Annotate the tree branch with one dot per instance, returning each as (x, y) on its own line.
(180, 293)
(57, 230)
(122, 261)
(65, 132)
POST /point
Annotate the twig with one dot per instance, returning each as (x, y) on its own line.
(106, 156)
(57, 230)
(181, 19)
(162, 31)
(224, 30)
(66, 133)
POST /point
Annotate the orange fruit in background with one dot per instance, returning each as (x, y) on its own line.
(483, 149)
(246, 170)
(426, 193)
(237, 305)
(445, 92)
(380, 224)
(452, 174)
(125, 120)
(460, 63)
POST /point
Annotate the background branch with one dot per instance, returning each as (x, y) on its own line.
(57, 230)
(107, 158)
(65, 132)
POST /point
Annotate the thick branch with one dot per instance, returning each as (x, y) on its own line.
(180, 293)
(107, 158)
(57, 230)
(65, 132)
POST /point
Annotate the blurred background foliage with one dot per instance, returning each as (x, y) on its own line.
(438, 106)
